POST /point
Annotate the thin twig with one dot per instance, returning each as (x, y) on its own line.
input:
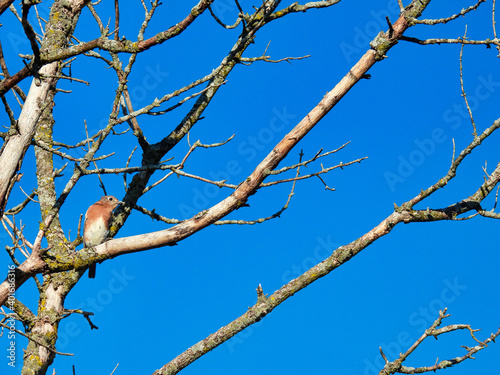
(277, 214)
(35, 341)
(464, 95)
(86, 315)
(494, 25)
(322, 171)
(112, 372)
(238, 20)
(486, 42)
(463, 12)
(250, 60)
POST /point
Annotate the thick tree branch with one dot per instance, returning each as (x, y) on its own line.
(4, 4)
(15, 146)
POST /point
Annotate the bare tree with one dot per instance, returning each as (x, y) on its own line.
(57, 267)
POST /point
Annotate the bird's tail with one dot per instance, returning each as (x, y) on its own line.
(92, 269)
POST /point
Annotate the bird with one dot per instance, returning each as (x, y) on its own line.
(96, 224)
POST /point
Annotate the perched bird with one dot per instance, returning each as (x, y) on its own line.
(96, 225)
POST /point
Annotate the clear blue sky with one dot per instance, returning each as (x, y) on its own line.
(153, 305)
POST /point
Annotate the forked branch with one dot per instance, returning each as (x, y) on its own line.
(396, 366)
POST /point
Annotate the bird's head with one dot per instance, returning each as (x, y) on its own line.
(110, 201)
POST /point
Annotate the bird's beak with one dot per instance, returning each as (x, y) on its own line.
(120, 203)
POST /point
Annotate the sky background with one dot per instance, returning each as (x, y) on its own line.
(151, 306)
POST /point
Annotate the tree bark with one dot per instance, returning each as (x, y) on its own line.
(14, 149)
